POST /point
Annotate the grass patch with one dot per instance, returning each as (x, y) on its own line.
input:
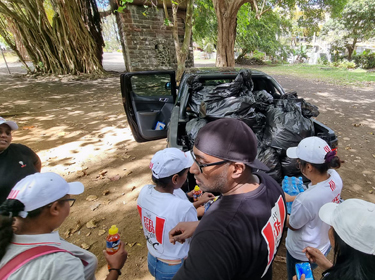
(333, 75)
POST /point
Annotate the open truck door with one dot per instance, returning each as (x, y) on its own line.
(148, 99)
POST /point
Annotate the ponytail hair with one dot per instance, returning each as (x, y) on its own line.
(9, 209)
(331, 161)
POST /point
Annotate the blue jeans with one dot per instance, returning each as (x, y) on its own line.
(161, 270)
(291, 264)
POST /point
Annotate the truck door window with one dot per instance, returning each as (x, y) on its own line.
(151, 85)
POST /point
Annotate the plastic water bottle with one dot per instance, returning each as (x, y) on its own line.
(301, 188)
(290, 185)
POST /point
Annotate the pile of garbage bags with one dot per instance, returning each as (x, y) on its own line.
(278, 123)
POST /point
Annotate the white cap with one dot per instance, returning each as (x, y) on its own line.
(170, 161)
(311, 149)
(354, 221)
(41, 189)
(12, 125)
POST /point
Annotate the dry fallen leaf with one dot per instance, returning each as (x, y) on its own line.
(85, 246)
(105, 192)
(133, 188)
(28, 127)
(101, 232)
(68, 233)
(127, 173)
(77, 227)
(92, 223)
(106, 202)
(103, 172)
(132, 244)
(91, 197)
(88, 234)
(95, 206)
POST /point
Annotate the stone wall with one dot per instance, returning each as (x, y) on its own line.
(148, 41)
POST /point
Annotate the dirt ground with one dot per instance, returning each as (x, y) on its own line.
(79, 130)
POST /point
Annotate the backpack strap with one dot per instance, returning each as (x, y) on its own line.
(26, 256)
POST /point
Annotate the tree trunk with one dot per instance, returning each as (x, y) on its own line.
(71, 44)
(226, 12)
(182, 51)
(351, 48)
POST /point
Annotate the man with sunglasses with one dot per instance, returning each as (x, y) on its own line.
(239, 235)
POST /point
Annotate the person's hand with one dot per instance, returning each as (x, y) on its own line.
(118, 259)
(182, 231)
(315, 256)
(207, 196)
(190, 194)
(289, 198)
(302, 277)
(200, 211)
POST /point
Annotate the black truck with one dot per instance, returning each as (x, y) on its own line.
(157, 108)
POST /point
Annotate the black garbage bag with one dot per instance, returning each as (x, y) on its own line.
(242, 85)
(262, 100)
(309, 110)
(286, 126)
(234, 107)
(192, 128)
(289, 167)
(270, 157)
(220, 108)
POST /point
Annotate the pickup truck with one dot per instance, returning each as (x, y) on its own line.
(151, 98)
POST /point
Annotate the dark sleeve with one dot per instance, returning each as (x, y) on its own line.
(212, 256)
(33, 157)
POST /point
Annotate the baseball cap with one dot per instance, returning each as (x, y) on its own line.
(354, 221)
(229, 139)
(311, 149)
(41, 189)
(169, 161)
(11, 124)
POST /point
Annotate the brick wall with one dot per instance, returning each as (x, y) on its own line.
(148, 41)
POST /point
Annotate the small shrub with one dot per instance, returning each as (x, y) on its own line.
(259, 55)
(322, 61)
(365, 60)
(345, 64)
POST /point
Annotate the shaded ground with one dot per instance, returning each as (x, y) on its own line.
(79, 130)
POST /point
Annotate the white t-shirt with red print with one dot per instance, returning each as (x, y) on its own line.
(310, 229)
(161, 212)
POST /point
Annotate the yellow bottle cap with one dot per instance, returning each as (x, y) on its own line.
(197, 188)
(113, 230)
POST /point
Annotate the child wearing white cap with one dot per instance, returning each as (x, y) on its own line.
(352, 236)
(161, 207)
(316, 160)
(41, 202)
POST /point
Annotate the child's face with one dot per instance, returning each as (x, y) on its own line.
(181, 179)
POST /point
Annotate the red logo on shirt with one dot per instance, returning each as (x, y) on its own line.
(273, 230)
(336, 199)
(332, 185)
(149, 225)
